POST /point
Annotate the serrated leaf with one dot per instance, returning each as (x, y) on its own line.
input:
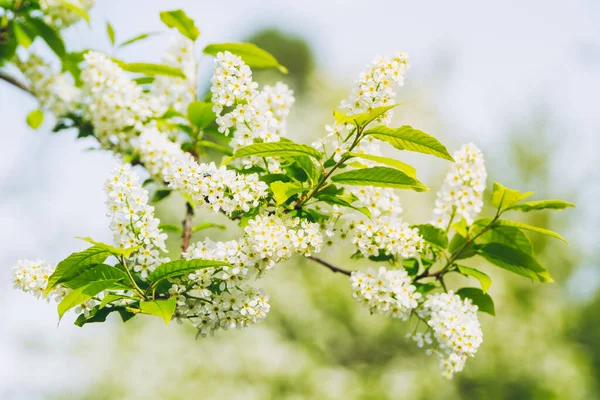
(207, 225)
(251, 54)
(362, 119)
(411, 139)
(151, 69)
(113, 250)
(433, 234)
(506, 235)
(98, 272)
(532, 228)
(379, 177)
(179, 20)
(160, 308)
(75, 264)
(542, 205)
(175, 268)
(138, 38)
(275, 149)
(200, 114)
(110, 31)
(407, 169)
(503, 197)
(83, 294)
(514, 260)
(50, 36)
(482, 300)
(483, 278)
(35, 119)
(284, 190)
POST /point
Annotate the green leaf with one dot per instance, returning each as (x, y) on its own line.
(407, 169)
(152, 69)
(76, 264)
(97, 314)
(138, 38)
(482, 300)
(111, 33)
(22, 35)
(77, 10)
(83, 294)
(532, 228)
(251, 54)
(200, 114)
(542, 205)
(457, 242)
(111, 297)
(379, 177)
(207, 225)
(408, 138)
(363, 119)
(514, 260)
(98, 272)
(275, 149)
(50, 36)
(433, 234)
(113, 250)
(212, 145)
(170, 228)
(306, 164)
(332, 199)
(160, 308)
(483, 278)
(160, 194)
(507, 235)
(284, 190)
(35, 118)
(180, 267)
(179, 20)
(503, 197)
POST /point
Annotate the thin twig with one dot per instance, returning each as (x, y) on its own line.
(332, 267)
(7, 78)
(187, 227)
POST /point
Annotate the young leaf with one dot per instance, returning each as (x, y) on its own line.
(433, 234)
(408, 138)
(115, 251)
(50, 36)
(363, 119)
(110, 31)
(284, 190)
(160, 308)
(407, 169)
(175, 268)
(251, 54)
(521, 225)
(138, 38)
(152, 69)
(379, 177)
(75, 264)
(170, 228)
(179, 20)
(482, 300)
(83, 294)
(201, 114)
(503, 197)
(35, 118)
(275, 149)
(514, 260)
(542, 205)
(207, 225)
(483, 278)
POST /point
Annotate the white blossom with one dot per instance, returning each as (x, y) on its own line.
(63, 13)
(462, 191)
(158, 153)
(384, 291)
(32, 277)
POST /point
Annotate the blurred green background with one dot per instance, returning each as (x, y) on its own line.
(537, 127)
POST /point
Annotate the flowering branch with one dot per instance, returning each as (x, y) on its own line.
(7, 78)
(332, 267)
(187, 227)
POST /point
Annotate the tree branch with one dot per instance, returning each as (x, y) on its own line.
(332, 267)
(7, 78)
(187, 227)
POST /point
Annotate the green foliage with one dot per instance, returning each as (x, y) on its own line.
(160, 308)
(97, 272)
(110, 31)
(479, 298)
(35, 118)
(521, 225)
(115, 251)
(76, 264)
(433, 234)
(251, 54)
(336, 199)
(408, 138)
(514, 260)
(201, 114)
(284, 190)
(504, 198)
(77, 10)
(151, 69)
(83, 294)
(379, 177)
(49, 35)
(137, 38)
(407, 169)
(207, 225)
(363, 119)
(176, 268)
(179, 20)
(276, 149)
(161, 194)
(483, 278)
(170, 228)
(542, 205)
(507, 235)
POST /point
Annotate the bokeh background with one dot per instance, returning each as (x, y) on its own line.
(519, 79)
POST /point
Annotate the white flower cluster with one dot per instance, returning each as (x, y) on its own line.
(386, 291)
(280, 99)
(157, 152)
(231, 82)
(133, 221)
(377, 200)
(175, 92)
(117, 107)
(32, 277)
(462, 191)
(55, 91)
(215, 187)
(455, 327)
(63, 13)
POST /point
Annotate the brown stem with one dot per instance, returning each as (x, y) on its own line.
(187, 227)
(7, 78)
(332, 267)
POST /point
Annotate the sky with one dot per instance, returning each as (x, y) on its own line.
(484, 66)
